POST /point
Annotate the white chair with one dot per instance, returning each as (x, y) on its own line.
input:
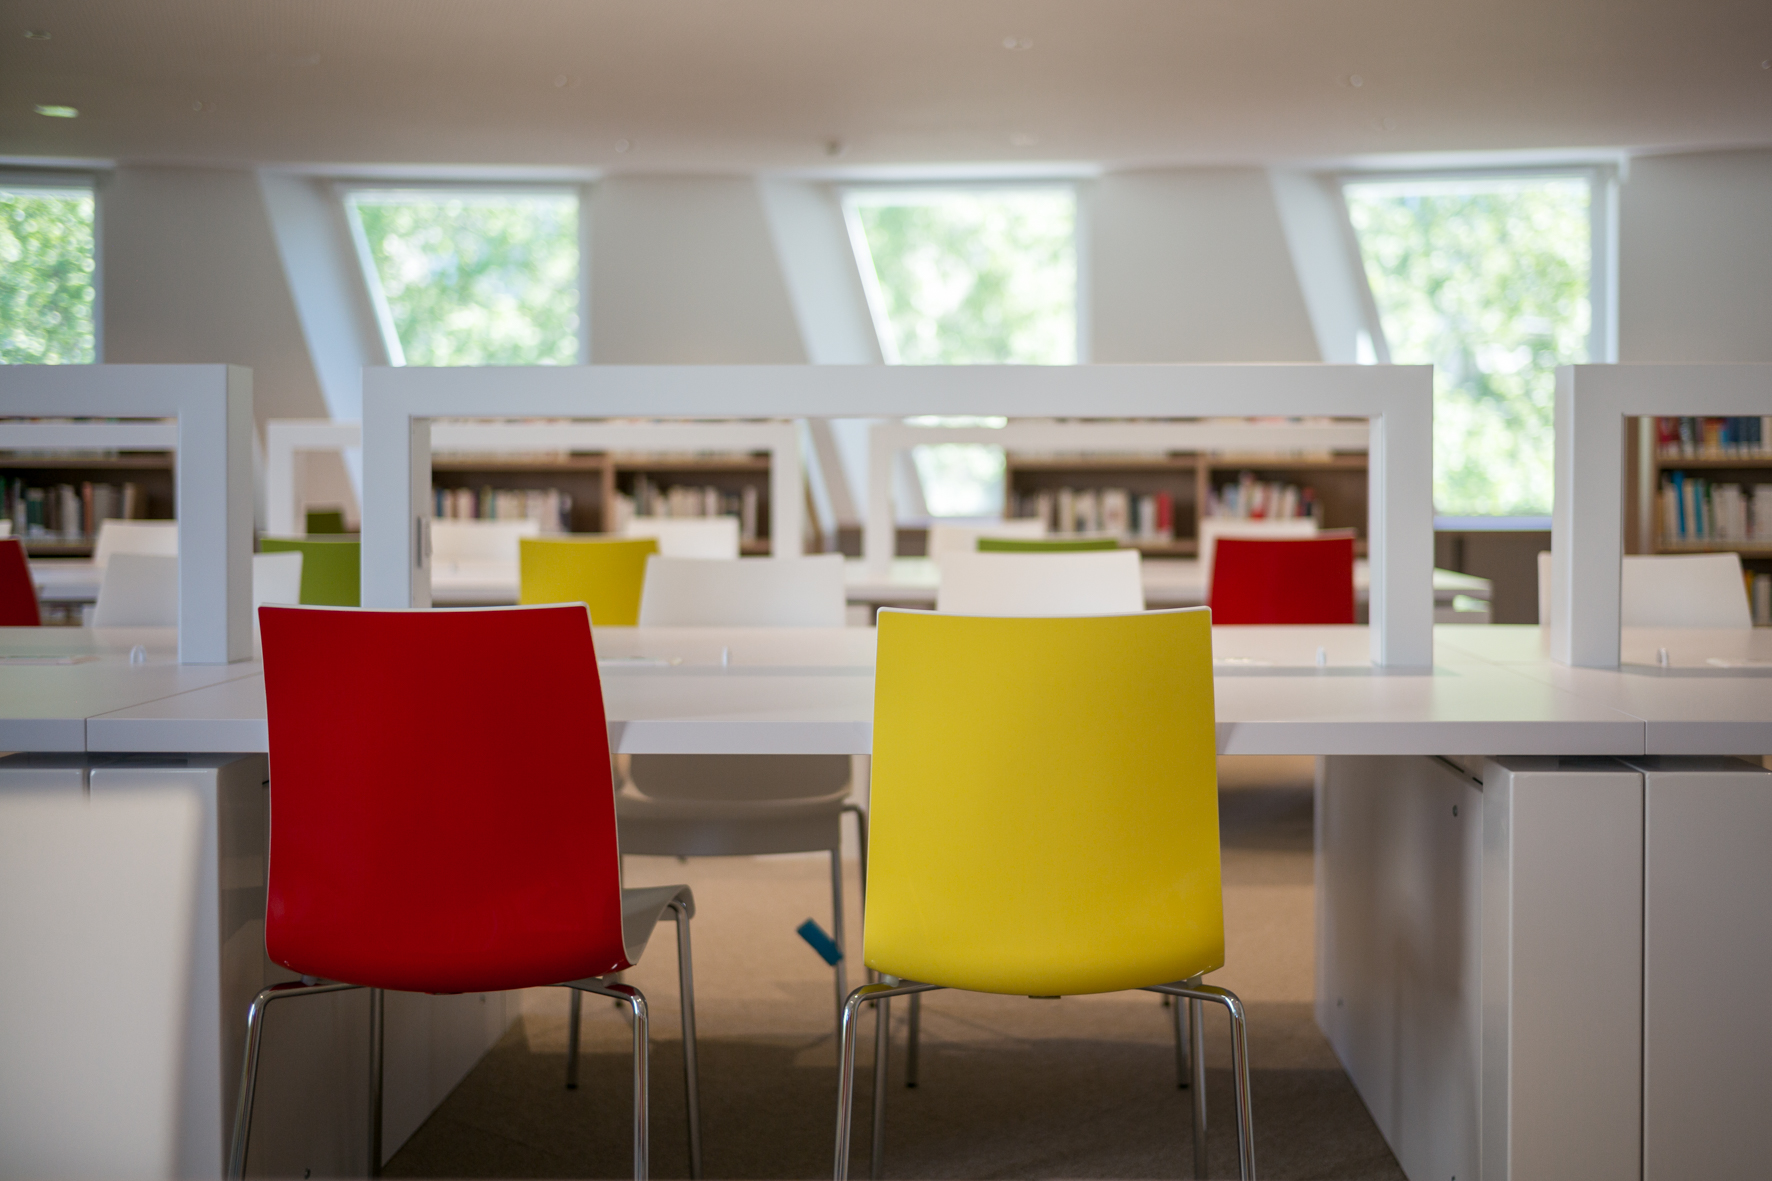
(1278, 529)
(455, 543)
(1102, 582)
(5, 526)
(117, 536)
(743, 805)
(688, 537)
(1670, 590)
(139, 590)
(948, 539)
(743, 592)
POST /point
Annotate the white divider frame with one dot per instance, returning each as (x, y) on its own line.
(1587, 518)
(1397, 401)
(887, 439)
(213, 475)
(284, 437)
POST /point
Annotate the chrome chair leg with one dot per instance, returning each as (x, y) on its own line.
(691, 1070)
(882, 1059)
(913, 1039)
(837, 927)
(846, 1066)
(1182, 1070)
(377, 1039)
(628, 995)
(1195, 993)
(255, 1017)
(574, 1015)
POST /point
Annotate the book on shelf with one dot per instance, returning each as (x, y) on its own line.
(550, 507)
(650, 501)
(1100, 512)
(64, 512)
(1250, 499)
(1694, 510)
(1714, 437)
(1759, 597)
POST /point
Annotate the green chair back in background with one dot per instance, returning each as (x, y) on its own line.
(1053, 545)
(325, 521)
(331, 571)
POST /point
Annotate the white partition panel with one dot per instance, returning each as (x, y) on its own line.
(399, 405)
(1587, 521)
(781, 440)
(213, 490)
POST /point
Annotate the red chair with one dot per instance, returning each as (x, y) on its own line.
(1302, 580)
(411, 754)
(18, 594)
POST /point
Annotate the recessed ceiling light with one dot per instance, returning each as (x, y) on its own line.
(1022, 139)
(55, 112)
(1356, 81)
(1013, 42)
(36, 34)
(622, 145)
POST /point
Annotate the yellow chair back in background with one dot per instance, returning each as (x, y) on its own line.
(1044, 804)
(605, 574)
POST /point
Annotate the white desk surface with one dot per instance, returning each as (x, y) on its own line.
(1168, 582)
(810, 691)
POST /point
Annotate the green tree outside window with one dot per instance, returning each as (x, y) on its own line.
(46, 277)
(1488, 281)
(985, 277)
(476, 278)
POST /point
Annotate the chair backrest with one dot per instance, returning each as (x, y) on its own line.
(276, 578)
(604, 573)
(138, 590)
(5, 526)
(1305, 580)
(325, 520)
(18, 594)
(1041, 584)
(1213, 528)
(479, 541)
(688, 537)
(117, 536)
(1670, 590)
(405, 848)
(331, 571)
(947, 538)
(1045, 545)
(743, 592)
(1044, 808)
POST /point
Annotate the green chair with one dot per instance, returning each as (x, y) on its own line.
(325, 521)
(331, 571)
(1054, 545)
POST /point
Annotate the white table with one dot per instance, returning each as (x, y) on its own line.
(1416, 971)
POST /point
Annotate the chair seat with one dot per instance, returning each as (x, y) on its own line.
(727, 828)
(642, 907)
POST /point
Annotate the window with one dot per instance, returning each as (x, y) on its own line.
(1490, 280)
(482, 277)
(968, 277)
(47, 275)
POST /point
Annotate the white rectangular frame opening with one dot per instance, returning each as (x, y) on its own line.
(1397, 401)
(212, 478)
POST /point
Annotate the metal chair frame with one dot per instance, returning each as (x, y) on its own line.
(1190, 1062)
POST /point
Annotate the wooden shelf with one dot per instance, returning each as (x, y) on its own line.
(1747, 549)
(1670, 463)
(574, 463)
(148, 462)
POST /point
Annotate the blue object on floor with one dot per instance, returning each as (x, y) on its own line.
(823, 944)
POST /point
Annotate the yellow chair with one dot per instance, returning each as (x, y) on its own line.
(1095, 734)
(604, 573)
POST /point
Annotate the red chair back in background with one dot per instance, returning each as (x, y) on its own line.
(411, 753)
(18, 595)
(1302, 580)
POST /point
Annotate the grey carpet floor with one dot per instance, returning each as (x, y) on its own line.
(1009, 1087)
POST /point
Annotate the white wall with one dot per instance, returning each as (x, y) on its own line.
(1695, 258)
(683, 270)
(1192, 265)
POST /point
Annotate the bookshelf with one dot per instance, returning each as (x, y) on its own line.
(1703, 485)
(59, 480)
(598, 488)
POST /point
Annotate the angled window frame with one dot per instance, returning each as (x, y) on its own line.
(345, 191)
(1602, 179)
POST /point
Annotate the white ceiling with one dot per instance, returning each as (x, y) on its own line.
(804, 84)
